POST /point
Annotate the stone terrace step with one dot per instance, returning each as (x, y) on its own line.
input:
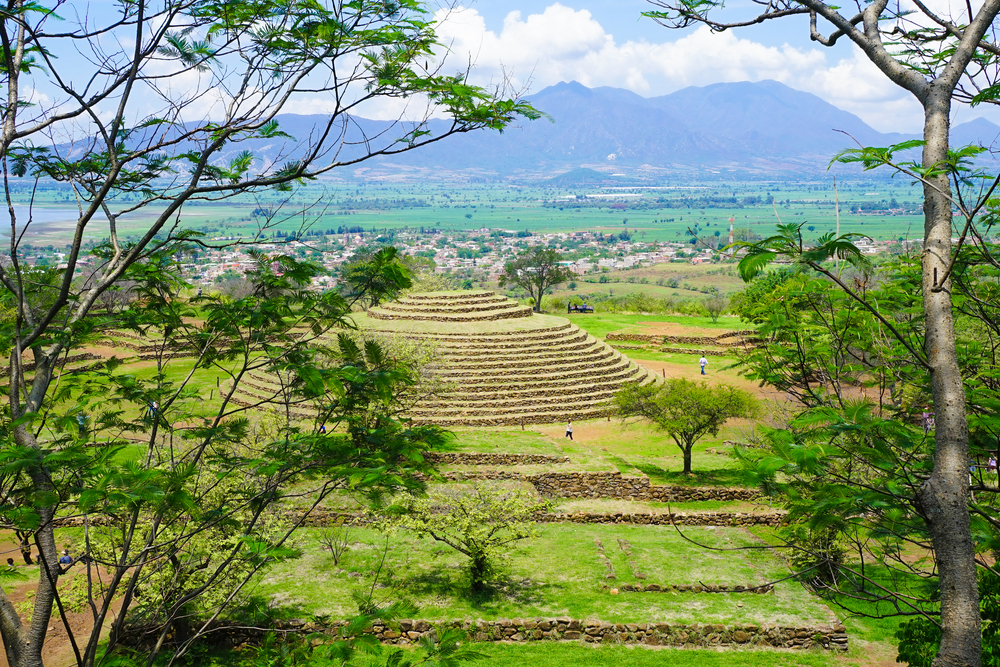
(449, 296)
(449, 308)
(531, 362)
(528, 343)
(428, 303)
(488, 335)
(571, 386)
(576, 350)
(575, 370)
(496, 314)
(521, 402)
(537, 338)
(513, 419)
(563, 407)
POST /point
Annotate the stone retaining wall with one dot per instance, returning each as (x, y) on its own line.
(485, 335)
(543, 361)
(685, 350)
(71, 359)
(696, 588)
(470, 294)
(567, 370)
(455, 308)
(324, 518)
(684, 340)
(510, 314)
(671, 519)
(491, 459)
(614, 485)
(410, 631)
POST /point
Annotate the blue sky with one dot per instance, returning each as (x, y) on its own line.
(608, 43)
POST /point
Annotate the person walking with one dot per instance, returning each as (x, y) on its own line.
(703, 362)
(569, 430)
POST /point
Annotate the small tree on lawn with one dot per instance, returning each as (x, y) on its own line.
(535, 270)
(686, 410)
(479, 523)
(716, 304)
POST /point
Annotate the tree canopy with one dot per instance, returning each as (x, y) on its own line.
(138, 109)
(940, 59)
(535, 271)
(687, 411)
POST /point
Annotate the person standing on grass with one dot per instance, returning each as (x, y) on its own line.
(703, 362)
(569, 430)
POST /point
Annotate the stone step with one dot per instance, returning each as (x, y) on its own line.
(577, 350)
(531, 361)
(589, 369)
(453, 296)
(485, 335)
(505, 313)
(527, 344)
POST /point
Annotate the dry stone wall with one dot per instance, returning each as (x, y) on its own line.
(720, 340)
(668, 519)
(411, 631)
(696, 588)
(615, 485)
(492, 459)
(325, 518)
(687, 350)
(71, 359)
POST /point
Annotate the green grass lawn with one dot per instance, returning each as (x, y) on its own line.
(557, 574)
(600, 325)
(581, 655)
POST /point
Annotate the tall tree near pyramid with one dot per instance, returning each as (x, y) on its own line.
(939, 59)
(536, 271)
(139, 108)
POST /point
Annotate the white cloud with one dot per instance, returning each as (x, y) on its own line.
(563, 44)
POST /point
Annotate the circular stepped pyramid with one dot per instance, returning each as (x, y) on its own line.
(451, 307)
(504, 365)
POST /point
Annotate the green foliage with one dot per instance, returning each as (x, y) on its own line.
(755, 299)
(686, 410)
(851, 464)
(380, 275)
(789, 242)
(715, 305)
(185, 522)
(479, 523)
(920, 638)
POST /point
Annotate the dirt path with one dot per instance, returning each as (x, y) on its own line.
(58, 650)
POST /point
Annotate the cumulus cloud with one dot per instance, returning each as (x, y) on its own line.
(562, 44)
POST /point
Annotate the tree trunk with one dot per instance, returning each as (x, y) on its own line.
(24, 544)
(944, 498)
(687, 458)
(477, 573)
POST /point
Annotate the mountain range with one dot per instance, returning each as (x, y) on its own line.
(763, 128)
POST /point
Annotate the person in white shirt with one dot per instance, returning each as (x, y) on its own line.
(703, 362)
(569, 430)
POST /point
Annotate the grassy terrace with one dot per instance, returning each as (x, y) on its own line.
(561, 573)
(558, 574)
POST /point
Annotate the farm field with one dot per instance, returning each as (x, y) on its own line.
(660, 213)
